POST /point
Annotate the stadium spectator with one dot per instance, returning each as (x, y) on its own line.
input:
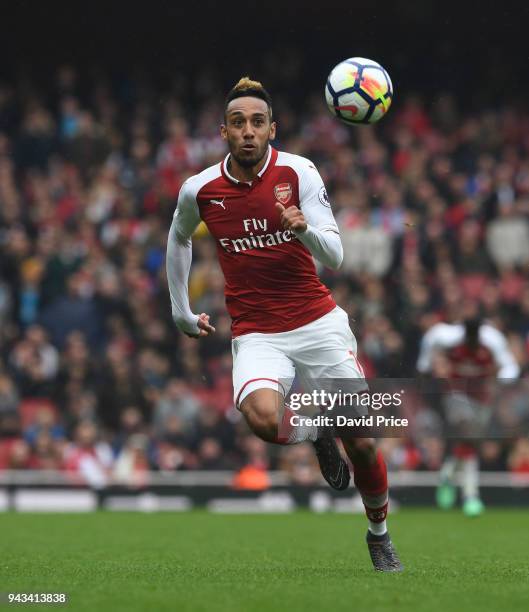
(35, 362)
(508, 237)
(88, 460)
(44, 422)
(299, 462)
(131, 467)
(176, 400)
(518, 461)
(9, 398)
(46, 453)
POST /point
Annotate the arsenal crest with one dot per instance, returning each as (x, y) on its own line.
(283, 192)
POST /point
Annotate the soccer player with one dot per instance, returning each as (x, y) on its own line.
(475, 353)
(269, 214)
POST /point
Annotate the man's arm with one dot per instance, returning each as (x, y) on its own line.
(426, 351)
(313, 222)
(508, 368)
(439, 337)
(178, 264)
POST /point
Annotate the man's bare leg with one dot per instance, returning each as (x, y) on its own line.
(269, 418)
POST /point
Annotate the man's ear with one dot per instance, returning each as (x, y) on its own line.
(223, 132)
(272, 130)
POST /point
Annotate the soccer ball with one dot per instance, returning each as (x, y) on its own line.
(358, 90)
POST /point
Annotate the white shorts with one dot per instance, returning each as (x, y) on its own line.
(325, 348)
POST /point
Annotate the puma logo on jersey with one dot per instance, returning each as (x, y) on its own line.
(218, 203)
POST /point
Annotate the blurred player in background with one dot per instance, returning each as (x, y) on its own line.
(269, 214)
(473, 354)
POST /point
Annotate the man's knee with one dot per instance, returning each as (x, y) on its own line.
(261, 409)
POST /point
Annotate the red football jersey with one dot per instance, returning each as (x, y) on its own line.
(271, 284)
(471, 362)
(471, 370)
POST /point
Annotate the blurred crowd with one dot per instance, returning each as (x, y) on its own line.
(433, 207)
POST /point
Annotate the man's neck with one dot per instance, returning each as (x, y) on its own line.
(246, 175)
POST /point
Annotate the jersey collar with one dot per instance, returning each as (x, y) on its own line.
(270, 160)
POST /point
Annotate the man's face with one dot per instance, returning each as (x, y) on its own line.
(248, 130)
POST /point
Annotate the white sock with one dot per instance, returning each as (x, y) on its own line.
(470, 478)
(302, 433)
(448, 470)
(378, 529)
(288, 433)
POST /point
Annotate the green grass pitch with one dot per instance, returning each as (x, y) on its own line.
(198, 561)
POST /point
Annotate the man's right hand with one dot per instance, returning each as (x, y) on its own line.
(203, 324)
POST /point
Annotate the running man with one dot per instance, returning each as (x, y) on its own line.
(476, 353)
(269, 214)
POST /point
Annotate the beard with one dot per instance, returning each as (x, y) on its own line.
(250, 161)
